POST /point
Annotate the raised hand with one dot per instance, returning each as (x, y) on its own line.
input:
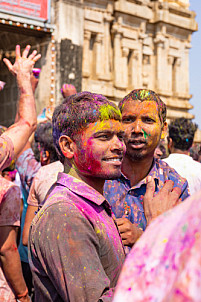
(165, 199)
(68, 90)
(23, 63)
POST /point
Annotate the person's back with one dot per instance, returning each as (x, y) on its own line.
(180, 140)
(11, 279)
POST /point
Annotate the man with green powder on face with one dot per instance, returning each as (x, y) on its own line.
(144, 123)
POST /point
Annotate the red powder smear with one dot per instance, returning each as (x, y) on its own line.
(14, 247)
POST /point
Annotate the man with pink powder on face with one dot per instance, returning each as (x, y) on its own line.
(75, 249)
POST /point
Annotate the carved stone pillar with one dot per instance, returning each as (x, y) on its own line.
(185, 67)
(106, 47)
(135, 70)
(177, 76)
(86, 62)
(98, 54)
(170, 84)
(117, 55)
(124, 67)
(160, 62)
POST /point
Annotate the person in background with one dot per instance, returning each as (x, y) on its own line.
(195, 152)
(12, 283)
(45, 177)
(15, 137)
(160, 151)
(28, 167)
(180, 140)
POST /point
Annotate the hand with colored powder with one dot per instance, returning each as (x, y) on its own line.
(68, 90)
(164, 200)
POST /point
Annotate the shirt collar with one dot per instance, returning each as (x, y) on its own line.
(80, 188)
(154, 172)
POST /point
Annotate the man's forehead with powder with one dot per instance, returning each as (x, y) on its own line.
(145, 95)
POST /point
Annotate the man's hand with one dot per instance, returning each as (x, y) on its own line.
(128, 231)
(22, 63)
(68, 90)
(165, 199)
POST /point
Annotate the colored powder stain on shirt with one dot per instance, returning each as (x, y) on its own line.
(185, 227)
(58, 236)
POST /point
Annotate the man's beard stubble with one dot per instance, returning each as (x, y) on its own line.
(134, 155)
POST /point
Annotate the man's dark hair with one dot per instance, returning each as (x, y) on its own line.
(43, 136)
(77, 112)
(182, 131)
(146, 95)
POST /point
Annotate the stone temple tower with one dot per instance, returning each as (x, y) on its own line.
(131, 44)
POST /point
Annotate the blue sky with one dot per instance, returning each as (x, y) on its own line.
(195, 65)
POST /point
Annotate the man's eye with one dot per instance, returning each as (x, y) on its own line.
(121, 137)
(103, 136)
(149, 120)
(127, 120)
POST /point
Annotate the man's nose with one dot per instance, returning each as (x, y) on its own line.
(118, 144)
(137, 126)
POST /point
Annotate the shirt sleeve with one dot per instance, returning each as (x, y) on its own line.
(185, 191)
(27, 167)
(180, 182)
(6, 152)
(68, 247)
(10, 207)
(32, 200)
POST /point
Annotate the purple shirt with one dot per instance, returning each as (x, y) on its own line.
(128, 202)
(6, 152)
(75, 250)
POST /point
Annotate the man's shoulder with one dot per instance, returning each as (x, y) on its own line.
(170, 173)
(7, 187)
(60, 197)
(49, 171)
(6, 151)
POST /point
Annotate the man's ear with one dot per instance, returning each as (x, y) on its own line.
(170, 144)
(164, 130)
(67, 146)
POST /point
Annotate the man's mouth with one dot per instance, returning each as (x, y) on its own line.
(116, 160)
(136, 143)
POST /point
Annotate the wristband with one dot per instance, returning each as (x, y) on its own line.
(24, 294)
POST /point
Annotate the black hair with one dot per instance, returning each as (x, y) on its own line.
(182, 131)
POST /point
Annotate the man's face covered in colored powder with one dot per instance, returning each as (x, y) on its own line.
(99, 149)
(142, 127)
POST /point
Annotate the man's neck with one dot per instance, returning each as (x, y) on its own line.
(178, 151)
(137, 170)
(95, 183)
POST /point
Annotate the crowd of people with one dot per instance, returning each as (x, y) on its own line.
(101, 212)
